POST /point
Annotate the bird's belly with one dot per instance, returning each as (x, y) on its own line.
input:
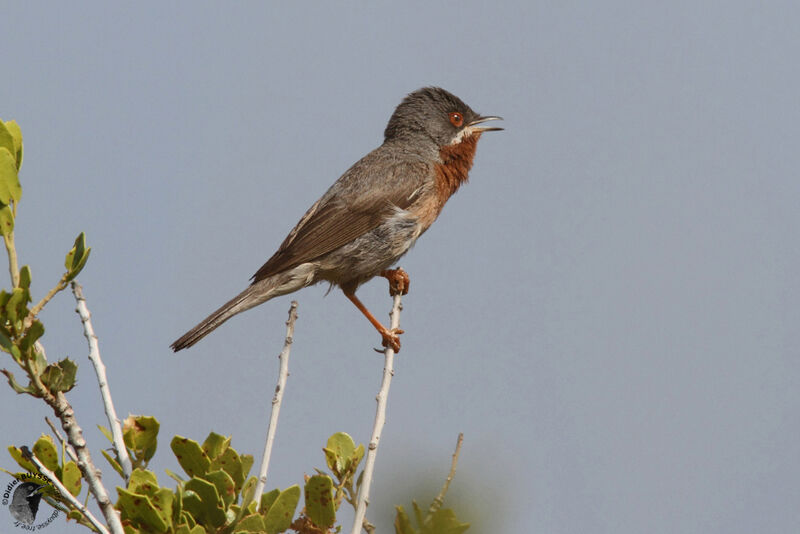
(366, 256)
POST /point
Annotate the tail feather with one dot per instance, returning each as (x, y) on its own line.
(243, 301)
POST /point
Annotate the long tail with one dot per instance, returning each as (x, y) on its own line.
(252, 296)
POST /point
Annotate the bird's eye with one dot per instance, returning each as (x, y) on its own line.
(456, 119)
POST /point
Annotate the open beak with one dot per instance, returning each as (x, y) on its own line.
(480, 120)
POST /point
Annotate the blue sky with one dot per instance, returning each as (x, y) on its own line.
(608, 310)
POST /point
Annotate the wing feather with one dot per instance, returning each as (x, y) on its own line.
(353, 206)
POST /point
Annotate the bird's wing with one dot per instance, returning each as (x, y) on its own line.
(351, 208)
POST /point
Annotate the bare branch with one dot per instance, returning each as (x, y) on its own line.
(283, 374)
(377, 427)
(439, 500)
(64, 491)
(105, 390)
(90, 473)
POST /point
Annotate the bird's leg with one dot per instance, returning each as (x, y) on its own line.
(399, 281)
(390, 337)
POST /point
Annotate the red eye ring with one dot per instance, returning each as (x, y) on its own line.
(456, 119)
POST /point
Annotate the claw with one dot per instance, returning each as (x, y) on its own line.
(399, 281)
(391, 338)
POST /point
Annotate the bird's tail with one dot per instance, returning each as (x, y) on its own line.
(252, 296)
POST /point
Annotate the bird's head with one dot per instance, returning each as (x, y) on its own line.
(433, 114)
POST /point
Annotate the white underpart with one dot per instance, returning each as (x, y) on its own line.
(466, 132)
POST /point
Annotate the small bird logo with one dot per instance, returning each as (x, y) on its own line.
(374, 213)
(25, 502)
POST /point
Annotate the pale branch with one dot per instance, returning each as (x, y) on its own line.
(439, 500)
(102, 379)
(90, 473)
(283, 374)
(61, 440)
(63, 491)
(359, 520)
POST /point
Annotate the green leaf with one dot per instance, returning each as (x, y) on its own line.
(319, 501)
(338, 451)
(143, 482)
(6, 139)
(247, 463)
(10, 189)
(107, 433)
(140, 434)
(267, 500)
(214, 445)
(75, 253)
(402, 524)
(76, 258)
(71, 478)
(162, 501)
(282, 510)
(25, 277)
(417, 513)
(190, 456)
(443, 521)
(186, 516)
(8, 346)
(45, 450)
(16, 308)
(6, 221)
(174, 476)
(230, 462)
(16, 133)
(248, 493)
(24, 463)
(250, 523)
(225, 485)
(35, 331)
(30, 390)
(140, 510)
(60, 376)
(114, 463)
(357, 455)
(206, 509)
(75, 515)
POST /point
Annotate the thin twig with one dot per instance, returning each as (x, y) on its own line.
(439, 500)
(283, 374)
(64, 491)
(60, 286)
(102, 379)
(58, 435)
(377, 427)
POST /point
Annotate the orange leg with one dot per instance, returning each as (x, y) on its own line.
(390, 337)
(399, 281)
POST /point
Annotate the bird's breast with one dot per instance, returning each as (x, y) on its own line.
(449, 173)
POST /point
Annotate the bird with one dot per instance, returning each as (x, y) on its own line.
(374, 213)
(25, 502)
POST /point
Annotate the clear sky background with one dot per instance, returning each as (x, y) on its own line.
(608, 310)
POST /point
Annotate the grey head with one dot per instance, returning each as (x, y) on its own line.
(433, 115)
(25, 502)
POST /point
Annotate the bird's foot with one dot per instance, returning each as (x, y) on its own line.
(399, 281)
(391, 338)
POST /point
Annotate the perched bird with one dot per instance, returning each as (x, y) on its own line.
(374, 213)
